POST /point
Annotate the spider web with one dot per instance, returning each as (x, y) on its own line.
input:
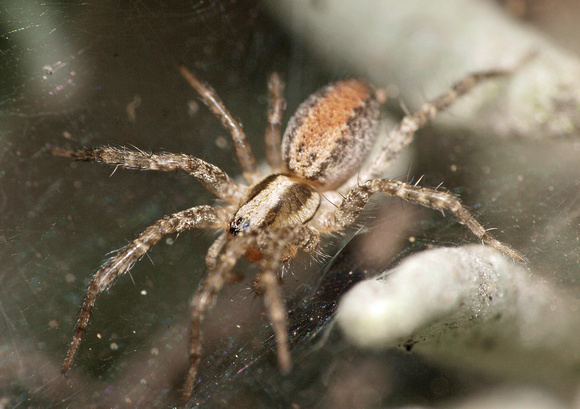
(105, 73)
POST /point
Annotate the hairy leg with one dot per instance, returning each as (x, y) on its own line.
(214, 251)
(273, 135)
(196, 217)
(357, 198)
(272, 244)
(402, 134)
(215, 104)
(213, 178)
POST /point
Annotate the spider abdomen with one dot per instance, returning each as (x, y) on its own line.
(331, 133)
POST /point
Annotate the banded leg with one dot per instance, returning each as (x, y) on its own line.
(402, 135)
(428, 197)
(272, 245)
(275, 306)
(215, 104)
(267, 280)
(213, 178)
(273, 135)
(196, 217)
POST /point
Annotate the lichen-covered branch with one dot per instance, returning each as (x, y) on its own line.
(469, 305)
(422, 47)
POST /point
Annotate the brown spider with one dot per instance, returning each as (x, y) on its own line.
(268, 220)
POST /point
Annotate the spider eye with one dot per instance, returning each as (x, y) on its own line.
(237, 226)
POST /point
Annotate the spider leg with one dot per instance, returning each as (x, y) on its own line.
(204, 299)
(267, 280)
(272, 244)
(196, 217)
(214, 251)
(273, 134)
(275, 306)
(213, 178)
(215, 104)
(402, 134)
(428, 197)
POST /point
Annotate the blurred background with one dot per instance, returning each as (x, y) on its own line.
(105, 73)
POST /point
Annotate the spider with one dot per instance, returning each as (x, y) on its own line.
(317, 186)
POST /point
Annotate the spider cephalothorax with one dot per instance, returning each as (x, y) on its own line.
(270, 219)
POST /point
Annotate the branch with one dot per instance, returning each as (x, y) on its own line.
(422, 47)
(469, 305)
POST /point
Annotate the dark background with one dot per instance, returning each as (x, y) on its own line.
(68, 72)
